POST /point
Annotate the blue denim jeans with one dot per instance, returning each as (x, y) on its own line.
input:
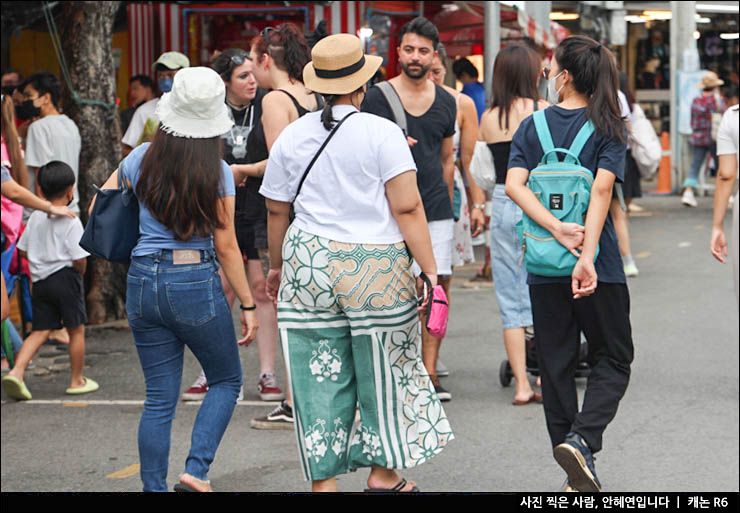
(698, 159)
(169, 307)
(507, 266)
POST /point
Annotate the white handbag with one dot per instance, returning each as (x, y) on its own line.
(646, 148)
(482, 168)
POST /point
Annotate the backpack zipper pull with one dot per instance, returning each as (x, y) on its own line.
(521, 257)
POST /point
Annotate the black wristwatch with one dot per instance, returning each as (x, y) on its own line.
(248, 308)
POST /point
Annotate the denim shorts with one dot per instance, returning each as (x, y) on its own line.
(507, 264)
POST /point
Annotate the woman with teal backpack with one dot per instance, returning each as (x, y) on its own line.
(586, 291)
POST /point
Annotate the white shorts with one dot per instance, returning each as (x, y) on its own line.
(442, 233)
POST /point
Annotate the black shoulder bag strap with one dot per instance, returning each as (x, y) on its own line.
(331, 134)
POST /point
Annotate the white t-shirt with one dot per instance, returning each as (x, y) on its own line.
(136, 127)
(54, 137)
(624, 108)
(51, 243)
(343, 198)
(727, 135)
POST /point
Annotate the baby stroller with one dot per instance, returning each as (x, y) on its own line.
(506, 374)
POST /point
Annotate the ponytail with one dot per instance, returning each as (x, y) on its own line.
(327, 119)
(594, 75)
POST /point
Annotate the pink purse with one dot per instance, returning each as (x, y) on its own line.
(437, 309)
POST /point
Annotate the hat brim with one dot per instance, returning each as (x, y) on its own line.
(703, 85)
(180, 126)
(343, 85)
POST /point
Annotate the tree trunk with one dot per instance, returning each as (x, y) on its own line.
(87, 41)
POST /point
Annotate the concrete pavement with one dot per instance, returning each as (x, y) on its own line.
(676, 429)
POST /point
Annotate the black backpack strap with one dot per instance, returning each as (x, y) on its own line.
(313, 160)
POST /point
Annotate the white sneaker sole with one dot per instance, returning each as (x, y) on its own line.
(272, 425)
(574, 464)
(272, 397)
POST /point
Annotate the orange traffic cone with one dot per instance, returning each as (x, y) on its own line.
(664, 170)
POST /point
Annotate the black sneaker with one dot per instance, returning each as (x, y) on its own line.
(442, 394)
(279, 418)
(576, 459)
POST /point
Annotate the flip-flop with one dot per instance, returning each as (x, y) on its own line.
(183, 488)
(536, 397)
(89, 386)
(16, 388)
(396, 489)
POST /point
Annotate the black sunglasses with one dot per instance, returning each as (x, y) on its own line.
(239, 59)
(266, 32)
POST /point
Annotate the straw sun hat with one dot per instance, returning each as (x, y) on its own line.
(710, 80)
(195, 107)
(339, 65)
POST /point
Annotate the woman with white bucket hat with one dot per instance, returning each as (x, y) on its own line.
(174, 296)
(347, 301)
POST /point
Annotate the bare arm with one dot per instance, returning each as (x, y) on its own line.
(468, 136)
(569, 235)
(19, 194)
(80, 265)
(447, 156)
(230, 258)
(278, 220)
(276, 115)
(242, 171)
(408, 211)
(725, 183)
(5, 310)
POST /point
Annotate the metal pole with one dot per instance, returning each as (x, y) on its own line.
(683, 25)
(492, 43)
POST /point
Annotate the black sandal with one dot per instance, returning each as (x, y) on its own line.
(396, 489)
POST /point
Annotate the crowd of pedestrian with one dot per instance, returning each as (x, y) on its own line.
(330, 209)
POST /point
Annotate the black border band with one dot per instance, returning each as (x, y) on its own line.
(339, 73)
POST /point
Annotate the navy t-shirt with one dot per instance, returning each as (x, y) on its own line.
(599, 152)
(429, 129)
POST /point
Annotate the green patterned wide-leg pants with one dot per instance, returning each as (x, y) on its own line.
(350, 333)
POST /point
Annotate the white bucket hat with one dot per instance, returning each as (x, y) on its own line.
(195, 107)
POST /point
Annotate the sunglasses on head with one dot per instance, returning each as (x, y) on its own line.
(266, 32)
(238, 59)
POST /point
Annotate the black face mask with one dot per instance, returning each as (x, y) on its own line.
(27, 110)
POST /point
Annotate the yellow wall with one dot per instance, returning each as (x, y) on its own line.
(32, 51)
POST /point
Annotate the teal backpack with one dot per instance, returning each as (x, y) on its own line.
(564, 189)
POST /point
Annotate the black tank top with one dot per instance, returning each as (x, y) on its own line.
(500, 152)
(253, 205)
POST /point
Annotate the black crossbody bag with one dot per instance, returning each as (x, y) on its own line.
(313, 161)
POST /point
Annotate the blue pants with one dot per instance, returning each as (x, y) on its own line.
(698, 158)
(169, 307)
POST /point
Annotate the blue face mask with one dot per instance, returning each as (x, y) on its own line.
(165, 85)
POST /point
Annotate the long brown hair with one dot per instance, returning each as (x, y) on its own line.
(515, 75)
(594, 73)
(288, 47)
(179, 184)
(10, 136)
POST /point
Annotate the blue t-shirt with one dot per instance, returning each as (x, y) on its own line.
(153, 235)
(599, 152)
(477, 92)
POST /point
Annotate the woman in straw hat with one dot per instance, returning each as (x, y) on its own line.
(702, 108)
(347, 303)
(174, 296)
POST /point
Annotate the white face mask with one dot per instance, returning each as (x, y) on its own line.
(553, 94)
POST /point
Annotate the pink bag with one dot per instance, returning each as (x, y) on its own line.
(437, 309)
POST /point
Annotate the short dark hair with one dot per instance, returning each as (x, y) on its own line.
(55, 179)
(144, 80)
(10, 71)
(225, 66)
(46, 82)
(463, 65)
(422, 27)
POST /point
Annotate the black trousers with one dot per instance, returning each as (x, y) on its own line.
(558, 321)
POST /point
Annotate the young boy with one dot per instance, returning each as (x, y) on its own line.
(57, 262)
